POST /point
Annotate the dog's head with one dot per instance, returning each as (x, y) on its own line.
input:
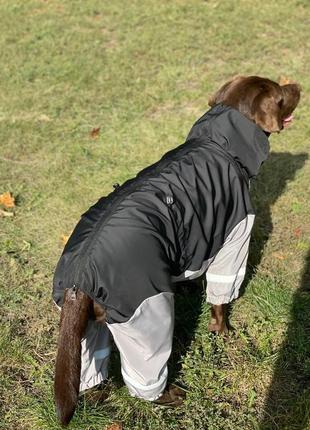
(261, 100)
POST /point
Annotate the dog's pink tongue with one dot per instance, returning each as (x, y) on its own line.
(288, 120)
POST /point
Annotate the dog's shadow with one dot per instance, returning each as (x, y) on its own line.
(287, 405)
(279, 169)
(189, 298)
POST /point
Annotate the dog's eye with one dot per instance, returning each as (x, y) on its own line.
(280, 103)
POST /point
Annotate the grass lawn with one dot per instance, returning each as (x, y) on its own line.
(142, 71)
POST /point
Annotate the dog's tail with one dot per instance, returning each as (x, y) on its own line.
(73, 322)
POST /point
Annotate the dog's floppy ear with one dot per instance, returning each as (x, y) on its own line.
(223, 92)
(291, 96)
(272, 106)
(266, 111)
(291, 93)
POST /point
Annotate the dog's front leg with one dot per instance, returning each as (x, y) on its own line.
(218, 319)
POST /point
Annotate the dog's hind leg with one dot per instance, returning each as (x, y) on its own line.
(73, 321)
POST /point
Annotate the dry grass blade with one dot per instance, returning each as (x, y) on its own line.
(6, 214)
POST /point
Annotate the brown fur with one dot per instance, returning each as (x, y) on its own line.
(76, 311)
(262, 101)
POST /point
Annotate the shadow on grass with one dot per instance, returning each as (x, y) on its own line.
(188, 303)
(287, 405)
(279, 169)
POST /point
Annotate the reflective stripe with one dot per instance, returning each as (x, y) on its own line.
(196, 273)
(212, 277)
(136, 384)
(101, 354)
(192, 274)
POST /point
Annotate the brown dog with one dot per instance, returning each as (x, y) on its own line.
(261, 101)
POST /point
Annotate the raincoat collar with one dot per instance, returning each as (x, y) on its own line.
(241, 138)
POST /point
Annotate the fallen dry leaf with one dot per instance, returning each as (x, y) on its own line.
(278, 255)
(64, 238)
(7, 200)
(115, 426)
(297, 232)
(95, 132)
(284, 81)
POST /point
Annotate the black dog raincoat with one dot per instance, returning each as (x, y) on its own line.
(187, 215)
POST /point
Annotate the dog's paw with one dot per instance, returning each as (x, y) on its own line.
(218, 328)
(173, 396)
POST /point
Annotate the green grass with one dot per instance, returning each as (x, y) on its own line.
(142, 71)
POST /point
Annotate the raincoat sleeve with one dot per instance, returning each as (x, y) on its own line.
(226, 272)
